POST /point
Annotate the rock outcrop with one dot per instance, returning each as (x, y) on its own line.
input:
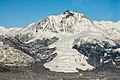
(100, 53)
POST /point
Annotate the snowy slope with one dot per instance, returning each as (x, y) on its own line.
(12, 31)
(112, 28)
(8, 31)
(30, 28)
(3, 30)
(68, 59)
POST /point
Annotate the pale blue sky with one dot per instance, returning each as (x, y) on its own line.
(19, 13)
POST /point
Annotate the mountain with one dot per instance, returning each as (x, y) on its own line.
(2, 30)
(67, 22)
(70, 23)
(69, 42)
(8, 31)
(108, 26)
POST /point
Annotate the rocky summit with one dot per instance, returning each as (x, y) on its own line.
(69, 42)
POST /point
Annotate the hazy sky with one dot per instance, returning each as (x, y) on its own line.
(19, 13)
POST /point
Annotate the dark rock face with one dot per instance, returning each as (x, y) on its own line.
(24, 37)
(100, 55)
(68, 13)
(3, 69)
(37, 49)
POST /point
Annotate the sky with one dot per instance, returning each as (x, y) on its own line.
(19, 13)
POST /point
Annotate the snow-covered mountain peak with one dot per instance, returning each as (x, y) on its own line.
(68, 13)
(67, 22)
